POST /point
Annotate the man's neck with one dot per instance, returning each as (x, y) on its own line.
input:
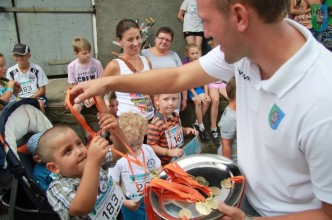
(284, 42)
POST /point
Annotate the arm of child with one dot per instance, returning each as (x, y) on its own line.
(40, 92)
(87, 191)
(184, 100)
(226, 147)
(187, 131)
(109, 122)
(206, 91)
(161, 151)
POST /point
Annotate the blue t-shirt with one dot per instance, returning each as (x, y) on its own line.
(42, 176)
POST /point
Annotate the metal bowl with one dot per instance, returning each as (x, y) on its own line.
(214, 169)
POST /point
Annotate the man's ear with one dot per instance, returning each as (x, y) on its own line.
(53, 168)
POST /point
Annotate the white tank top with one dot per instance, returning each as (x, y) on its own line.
(134, 102)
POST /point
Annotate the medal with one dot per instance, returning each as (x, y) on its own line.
(185, 213)
(226, 183)
(215, 191)
(212, 203)
(203, 208)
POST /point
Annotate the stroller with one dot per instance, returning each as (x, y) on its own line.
(25, 198)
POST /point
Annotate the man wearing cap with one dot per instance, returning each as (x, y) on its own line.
(31, 77)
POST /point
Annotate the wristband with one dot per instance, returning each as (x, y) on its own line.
(167, 152)
(9, 89)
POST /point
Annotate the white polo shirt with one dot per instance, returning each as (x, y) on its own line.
(284, 128)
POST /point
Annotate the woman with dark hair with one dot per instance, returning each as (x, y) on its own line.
(162, 56)
(130, 62)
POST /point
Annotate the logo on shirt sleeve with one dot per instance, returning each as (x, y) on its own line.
(275, 117)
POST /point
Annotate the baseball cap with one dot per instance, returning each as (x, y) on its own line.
(21, 49)
(33, 143)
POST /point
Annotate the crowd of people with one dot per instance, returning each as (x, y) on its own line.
(274, 128)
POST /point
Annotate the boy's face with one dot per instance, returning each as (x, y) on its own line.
(3, 67)
(193, 53)
(83, 56)
(136, 144)
(21, 60)
(113, 106)
(167, 103)
(69, 155)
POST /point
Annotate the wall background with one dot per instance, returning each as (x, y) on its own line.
(49, 26)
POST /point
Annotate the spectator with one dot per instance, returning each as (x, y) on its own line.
(31, 77)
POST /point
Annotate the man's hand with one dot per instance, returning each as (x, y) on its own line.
(88, 89)
(230, 213)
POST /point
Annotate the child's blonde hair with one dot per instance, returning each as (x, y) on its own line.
(133, 125)
(81, 43)
(192, 45)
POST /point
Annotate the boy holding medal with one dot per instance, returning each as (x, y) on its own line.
(80, 188)
(165, 134)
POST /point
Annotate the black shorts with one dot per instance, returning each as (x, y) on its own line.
(188, 33)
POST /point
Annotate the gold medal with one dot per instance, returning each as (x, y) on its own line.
(212, 203)
(185, 213)
(154, 173)
(226, 183)
(201, 180)
(203, 208)
(215, 191)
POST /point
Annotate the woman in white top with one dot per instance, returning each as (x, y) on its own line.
(130, 62)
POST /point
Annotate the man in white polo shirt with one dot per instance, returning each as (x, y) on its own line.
(284, 103)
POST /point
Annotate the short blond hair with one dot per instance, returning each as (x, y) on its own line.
(81, 43)
(133, 125)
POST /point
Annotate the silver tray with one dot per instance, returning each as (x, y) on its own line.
(214, 169)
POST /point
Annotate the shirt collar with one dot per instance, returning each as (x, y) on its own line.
(296, 67)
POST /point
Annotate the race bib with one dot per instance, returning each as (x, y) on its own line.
(28, 88)
(109, 201)
(174, 137)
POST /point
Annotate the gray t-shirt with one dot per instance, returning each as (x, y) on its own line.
(227, 125)
(172, 59)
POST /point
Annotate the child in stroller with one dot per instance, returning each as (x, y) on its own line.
(25, 198)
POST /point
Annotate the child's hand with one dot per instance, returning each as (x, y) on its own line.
(107, 121)
(207, 99)
(133, 205)
(188, 131)
(17, 88)
(89, 102)
(98, 149)
(176, 152)
(184, 104)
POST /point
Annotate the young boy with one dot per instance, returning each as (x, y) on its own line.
(199, 95)
(113, 103)
(83, 68)
(40, 173)
(165, 134)
(31, 77)
(132, 177)
(77, 177)
(227, 124)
